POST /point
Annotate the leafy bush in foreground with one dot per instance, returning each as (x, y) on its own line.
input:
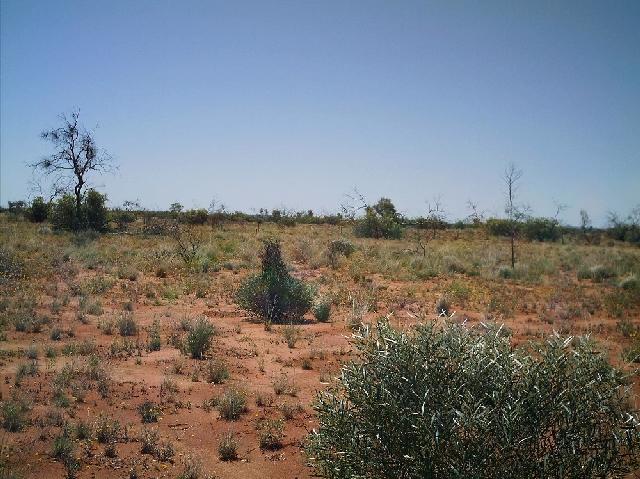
(274, 295)
(447, 402)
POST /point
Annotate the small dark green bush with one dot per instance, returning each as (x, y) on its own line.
(14, 415)
(274, 295)
(322, 311)
(500, 227)
(39, 210)
(95, 211)
(340, 247)
(446, 401)
(542, 229)
(149, 412)
(154, 337)
(127, 325)
(199, 338)
(196, 217)
(107, 429)
(64, 215)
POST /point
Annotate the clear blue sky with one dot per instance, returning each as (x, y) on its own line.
(270, 104)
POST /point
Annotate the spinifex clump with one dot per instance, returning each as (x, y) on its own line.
(274, 295)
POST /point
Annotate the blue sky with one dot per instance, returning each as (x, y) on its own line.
(271, 104)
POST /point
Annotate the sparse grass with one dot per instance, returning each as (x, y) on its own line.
(291, 335)
(283, 385)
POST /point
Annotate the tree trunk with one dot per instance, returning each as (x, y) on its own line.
(78, 192)
(513, 251)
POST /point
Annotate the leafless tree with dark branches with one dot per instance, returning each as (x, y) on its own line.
(75, 156)
(515, 212)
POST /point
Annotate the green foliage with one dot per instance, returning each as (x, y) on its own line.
(107, 429)
(127, 325)
(322, 311)
(196, 217)
(274, 295)
(199, 338)
(499, 227)
(625, 229)
(450, 402)
(39, 210)
(228, 448)
(380, 221)
(93, 214)
(11, 267)
(216, 371)
(154, 336)
(541, 229)
(340, 247)
(270, 434)
(232, 404)
(95, 211)
(14, 415)
(64, 215)
(149, 412)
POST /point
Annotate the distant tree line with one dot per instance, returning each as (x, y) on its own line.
(380, 220)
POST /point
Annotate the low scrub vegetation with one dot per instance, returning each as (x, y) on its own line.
(274, 295)
(420, 405)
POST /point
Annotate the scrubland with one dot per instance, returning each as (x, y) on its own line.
(126, 354)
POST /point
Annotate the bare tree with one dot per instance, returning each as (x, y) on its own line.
(75, 157)
(515, 212)
(476, 216)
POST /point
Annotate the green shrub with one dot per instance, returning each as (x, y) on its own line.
(95, 211)
(291, 334)
(154, 336)
(216, 371)
(339, 247)
(270, 435)
(380, 221)
(107, 429)
(419, 404)
(149, 412)
(499, 227)
(199, 338)
(127, 325)
(274, 295)
(196, 217)
(322, 311)
(39, 210)
(228, 448)
(232, 404)
(630, 283)
(14, 415)
(64, 215)
(541, 229)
